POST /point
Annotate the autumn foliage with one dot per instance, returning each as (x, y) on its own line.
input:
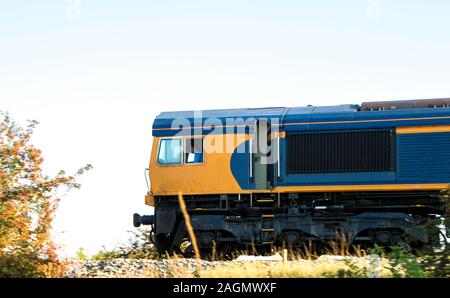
(28, 201)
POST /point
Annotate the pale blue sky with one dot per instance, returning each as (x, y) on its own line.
(95, 82)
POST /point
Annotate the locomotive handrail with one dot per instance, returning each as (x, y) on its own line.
(146, 178)
(278, 156)
(250, 152)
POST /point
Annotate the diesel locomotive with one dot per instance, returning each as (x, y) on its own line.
(264, 177)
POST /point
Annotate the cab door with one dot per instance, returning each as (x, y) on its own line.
(260, 151)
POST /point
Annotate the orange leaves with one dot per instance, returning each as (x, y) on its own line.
(27, 198)
(35, 155)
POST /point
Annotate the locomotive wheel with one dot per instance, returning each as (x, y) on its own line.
(402, 243)
(221, 251)
(186, 248)
(161, 242)
(389, 238)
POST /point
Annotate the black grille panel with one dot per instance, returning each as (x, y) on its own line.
(343, 151)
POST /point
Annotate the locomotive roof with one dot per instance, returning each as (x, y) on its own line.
(259, 112)
(370, 112)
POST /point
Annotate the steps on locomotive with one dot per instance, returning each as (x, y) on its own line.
(264, 207)
(268, 233)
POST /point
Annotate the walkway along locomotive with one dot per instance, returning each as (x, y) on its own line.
(284, 176)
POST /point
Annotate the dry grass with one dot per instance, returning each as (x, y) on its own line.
(296, 269)
(324, 266)
(301, 264)
(187, 220)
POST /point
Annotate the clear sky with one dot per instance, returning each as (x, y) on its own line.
(95, 73)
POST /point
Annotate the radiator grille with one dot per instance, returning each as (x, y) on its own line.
(343, 151)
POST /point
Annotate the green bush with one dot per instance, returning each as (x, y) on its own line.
(139, 246)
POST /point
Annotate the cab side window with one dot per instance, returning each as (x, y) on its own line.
(169, 151)
(193, 150)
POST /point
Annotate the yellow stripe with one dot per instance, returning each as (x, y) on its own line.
(423, 129)
(351, 188)
(267, 216)
(274, 135)
(332, 188)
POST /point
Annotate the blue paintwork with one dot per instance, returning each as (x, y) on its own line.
(423, 158)
(340, 178)
(240, 166)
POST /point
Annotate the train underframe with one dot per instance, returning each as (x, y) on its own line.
(261, 221)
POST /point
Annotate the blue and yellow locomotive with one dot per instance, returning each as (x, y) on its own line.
(283, 176)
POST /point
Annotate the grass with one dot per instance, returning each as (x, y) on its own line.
(296, 267)
(341, 260)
